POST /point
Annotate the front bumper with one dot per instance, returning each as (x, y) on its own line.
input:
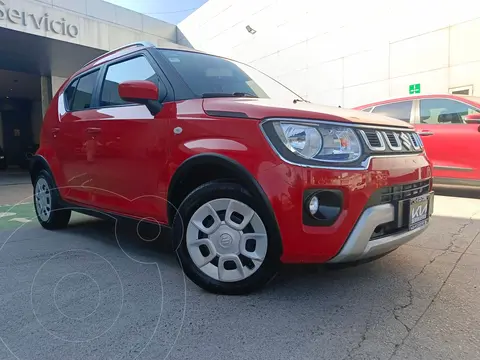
(389, 180)
(361, 246)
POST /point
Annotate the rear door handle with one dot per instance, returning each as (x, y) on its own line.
(425, 133)
(93, 130)
(55, 130)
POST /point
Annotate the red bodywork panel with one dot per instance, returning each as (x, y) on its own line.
(265, 108)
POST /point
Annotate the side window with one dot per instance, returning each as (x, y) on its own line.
(399, 110)
(70, 93)
(444, 111)
(83, 94)
(134, 69)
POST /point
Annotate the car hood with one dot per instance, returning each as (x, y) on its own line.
(267, 108)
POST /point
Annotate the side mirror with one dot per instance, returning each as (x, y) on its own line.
(142, 92)
(472, 119)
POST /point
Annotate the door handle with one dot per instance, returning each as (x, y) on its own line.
(425, 133)
(55, 131)
(93, 130)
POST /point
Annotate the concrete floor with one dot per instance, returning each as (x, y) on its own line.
(86, 293)
(14, 177)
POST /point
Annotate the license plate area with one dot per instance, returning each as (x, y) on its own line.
(409, 215)
(418, 211)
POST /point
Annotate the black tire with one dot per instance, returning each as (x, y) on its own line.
(215, 190)
(58, 217)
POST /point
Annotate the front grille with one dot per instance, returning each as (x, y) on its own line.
(392, 194)
(403, 192)
(373, 139)
(392, 139)
(416, 141)
(396, 141)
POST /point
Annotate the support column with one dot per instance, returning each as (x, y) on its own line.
(46, 92)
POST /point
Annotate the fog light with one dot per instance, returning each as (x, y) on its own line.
(313, 205)
(322, 207)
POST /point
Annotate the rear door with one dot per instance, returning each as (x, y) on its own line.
(451, 144)
(402, 110)
(74, 140)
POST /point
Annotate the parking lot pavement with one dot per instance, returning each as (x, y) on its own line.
(14, 177)
(98, 291)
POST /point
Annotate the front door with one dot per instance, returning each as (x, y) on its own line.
(131, 160)
(450, 143)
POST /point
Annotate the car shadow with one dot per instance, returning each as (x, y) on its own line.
(290, 277)
(142, 242)
(453, 191)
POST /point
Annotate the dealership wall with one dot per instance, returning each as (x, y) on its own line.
(57, 82)
(347, 52)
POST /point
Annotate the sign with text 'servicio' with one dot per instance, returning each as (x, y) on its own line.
(39, 21)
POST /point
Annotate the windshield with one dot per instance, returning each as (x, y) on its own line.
(211, 76)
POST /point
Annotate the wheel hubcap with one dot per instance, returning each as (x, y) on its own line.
(43, 199)
(227, 240)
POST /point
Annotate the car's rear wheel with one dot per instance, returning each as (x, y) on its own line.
(46, 199)
(226, 239)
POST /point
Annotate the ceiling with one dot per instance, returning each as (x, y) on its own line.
(40, 55)
(19, 85)
(24, 57)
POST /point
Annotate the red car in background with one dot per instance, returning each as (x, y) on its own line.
(449, 126)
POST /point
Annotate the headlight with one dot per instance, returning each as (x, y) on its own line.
(318, 142)
(305, 141)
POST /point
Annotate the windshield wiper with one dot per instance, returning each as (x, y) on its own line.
(235, 94)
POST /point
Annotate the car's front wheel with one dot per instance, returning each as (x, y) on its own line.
(46, 199)
(227, 241)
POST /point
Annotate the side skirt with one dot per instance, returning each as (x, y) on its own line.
(108, 215)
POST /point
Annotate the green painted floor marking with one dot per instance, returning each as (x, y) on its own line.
(13, 216)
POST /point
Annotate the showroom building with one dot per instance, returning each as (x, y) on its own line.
(43, 43)
(347, 52)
